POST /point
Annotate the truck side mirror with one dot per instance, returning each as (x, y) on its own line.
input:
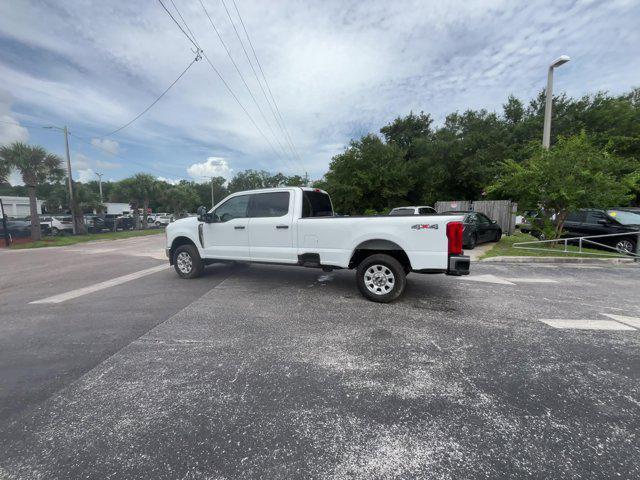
(202, 214)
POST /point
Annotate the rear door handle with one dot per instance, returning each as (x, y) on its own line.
(239, 227)
(282, 227)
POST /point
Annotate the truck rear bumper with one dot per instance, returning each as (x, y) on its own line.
(458, 265)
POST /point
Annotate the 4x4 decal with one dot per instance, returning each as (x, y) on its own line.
(423, 226)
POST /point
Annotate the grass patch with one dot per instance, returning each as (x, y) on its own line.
(505, 248)
(64, 240)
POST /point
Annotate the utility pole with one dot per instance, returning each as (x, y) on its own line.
(306, 179)
(72, 203)
(99, 175)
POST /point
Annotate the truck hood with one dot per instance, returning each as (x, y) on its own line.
(183, 222)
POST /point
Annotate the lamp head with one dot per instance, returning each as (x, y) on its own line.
(561, 60)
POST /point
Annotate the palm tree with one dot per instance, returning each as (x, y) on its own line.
(36, 166)
(138, 190)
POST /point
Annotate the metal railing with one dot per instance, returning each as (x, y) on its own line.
(580, 241)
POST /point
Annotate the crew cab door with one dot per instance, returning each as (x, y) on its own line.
(227, 237)
(271, 227)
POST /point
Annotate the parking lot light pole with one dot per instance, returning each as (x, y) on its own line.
(99, 175)
(546, 133)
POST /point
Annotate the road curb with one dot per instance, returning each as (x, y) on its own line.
(558, 260)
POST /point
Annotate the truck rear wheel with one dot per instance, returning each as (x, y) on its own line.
(187, 261)
(381, 278)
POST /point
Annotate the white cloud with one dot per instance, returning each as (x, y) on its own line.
(170, 181)
(10, 133)
(212, 167)
(80, 161)
(336, 68)
(10, 128)
(85, 175)
(107, 165)
(111, 146)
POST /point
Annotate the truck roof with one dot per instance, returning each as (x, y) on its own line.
(279, 189)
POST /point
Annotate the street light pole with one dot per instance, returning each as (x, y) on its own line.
(546, 133)
(99, 175)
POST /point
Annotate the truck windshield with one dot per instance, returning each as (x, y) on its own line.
(316, 204)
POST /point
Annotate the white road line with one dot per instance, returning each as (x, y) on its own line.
(63, 297)
(585, 324)
(631, 321)
(531, 280)
(486, 279)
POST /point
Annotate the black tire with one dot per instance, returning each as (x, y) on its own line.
(187, 261)
(55, 232)
(472, 242)
(498, 236)
(625, 245)
(386, 268)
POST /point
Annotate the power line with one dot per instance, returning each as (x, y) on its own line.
(275, 104)
(242, 77)
(235, 97)
(179, 26)
(197, 58)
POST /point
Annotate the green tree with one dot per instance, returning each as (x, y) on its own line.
(573, 174)
(369, 175)
(36, 166)
(181, 199)
(138, 190)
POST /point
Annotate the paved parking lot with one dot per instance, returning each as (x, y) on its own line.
(517, 371)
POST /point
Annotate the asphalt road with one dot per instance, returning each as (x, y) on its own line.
(277, 372)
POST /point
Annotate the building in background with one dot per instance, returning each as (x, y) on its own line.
(114, 208)
(18, 207)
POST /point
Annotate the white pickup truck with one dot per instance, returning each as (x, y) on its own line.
(297, 226)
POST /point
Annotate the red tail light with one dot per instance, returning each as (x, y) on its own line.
(454, 237)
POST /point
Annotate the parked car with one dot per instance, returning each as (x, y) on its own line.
(163, 220)
(420, 210)
(58, 224)
(296, 226)
(589, 222)
(20, 228)
(478, 228)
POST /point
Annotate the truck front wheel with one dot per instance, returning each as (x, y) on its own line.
(381, 278)
(187, 261)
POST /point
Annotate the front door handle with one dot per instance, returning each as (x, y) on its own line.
(240, 227)
(282, 227)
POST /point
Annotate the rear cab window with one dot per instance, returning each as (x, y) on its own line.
(316, 203)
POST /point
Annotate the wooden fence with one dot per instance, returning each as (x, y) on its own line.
(502, 211)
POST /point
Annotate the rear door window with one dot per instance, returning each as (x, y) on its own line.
(274, 204)
(594, 217)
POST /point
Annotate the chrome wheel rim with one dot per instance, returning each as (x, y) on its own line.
(624, 246)
(184, 262)
(379, 279)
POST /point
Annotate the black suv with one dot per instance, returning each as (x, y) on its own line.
(590, 222)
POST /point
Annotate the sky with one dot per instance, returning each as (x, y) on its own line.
(336, 69)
